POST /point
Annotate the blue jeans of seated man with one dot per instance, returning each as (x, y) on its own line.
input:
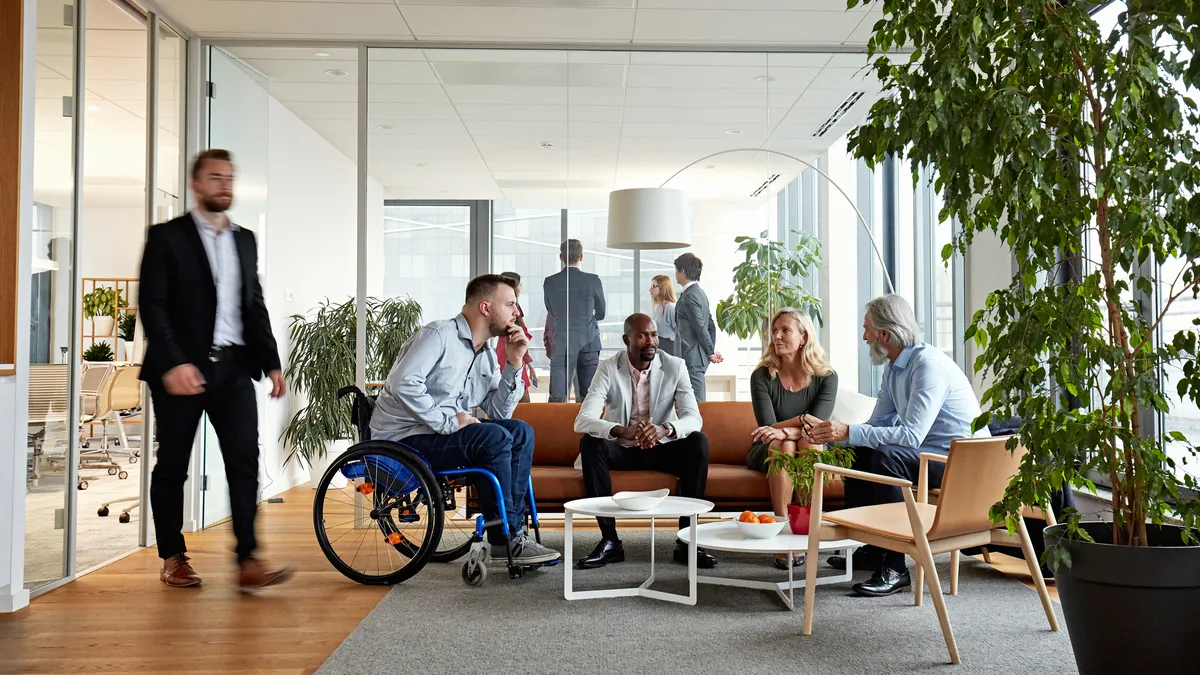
(504, 447)
(894, 461)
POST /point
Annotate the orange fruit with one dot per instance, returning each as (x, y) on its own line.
(766, 518)
(748, 517)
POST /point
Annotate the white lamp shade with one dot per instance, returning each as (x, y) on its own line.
(648, 218)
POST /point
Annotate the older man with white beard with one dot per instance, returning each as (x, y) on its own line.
(925, 401)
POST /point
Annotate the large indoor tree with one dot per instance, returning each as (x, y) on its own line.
(1078, 147)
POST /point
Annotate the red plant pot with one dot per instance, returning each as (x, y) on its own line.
(799, 516)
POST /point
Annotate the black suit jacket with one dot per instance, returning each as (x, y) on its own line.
(576, 301)
(177, 302)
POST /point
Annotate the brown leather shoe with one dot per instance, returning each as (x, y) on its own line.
(253, 575)
(177, 572)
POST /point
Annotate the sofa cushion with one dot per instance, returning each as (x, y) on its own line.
(728, 425)
(728, 482)
(557, 484)
(555, 440)
(851, 407)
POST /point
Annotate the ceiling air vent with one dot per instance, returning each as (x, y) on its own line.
(766, 184)
(838, 114)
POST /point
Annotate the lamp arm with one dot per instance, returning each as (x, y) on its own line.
(861, 219)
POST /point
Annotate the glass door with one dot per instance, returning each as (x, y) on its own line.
(53, 352)
(238, 120)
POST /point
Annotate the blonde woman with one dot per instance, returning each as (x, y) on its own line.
(792, 380)
(662, 300)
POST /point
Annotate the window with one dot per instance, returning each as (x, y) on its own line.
(427, 249)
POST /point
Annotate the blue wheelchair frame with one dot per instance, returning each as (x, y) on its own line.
(364, 406)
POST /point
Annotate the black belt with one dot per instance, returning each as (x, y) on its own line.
(217, 354)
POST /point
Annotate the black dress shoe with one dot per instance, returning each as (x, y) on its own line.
(885, 581)
(607, 551)
(704, 561)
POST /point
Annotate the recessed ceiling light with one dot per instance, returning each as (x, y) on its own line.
(734, 132)
(547, 145)
(443, 192)
(94, 108)
(711, 166)
(322, 54)
(420, 164)
(765, 78)
(385, 127)
(336, 72)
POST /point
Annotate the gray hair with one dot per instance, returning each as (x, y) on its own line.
(893, 314)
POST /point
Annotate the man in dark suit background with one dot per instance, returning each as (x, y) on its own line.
(208, 336)
(696, 334)
(576, 301)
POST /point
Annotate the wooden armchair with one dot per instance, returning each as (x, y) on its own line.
(977, 472)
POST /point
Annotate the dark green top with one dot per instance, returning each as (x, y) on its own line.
(773, 404)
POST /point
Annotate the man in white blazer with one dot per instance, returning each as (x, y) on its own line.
(650, 422)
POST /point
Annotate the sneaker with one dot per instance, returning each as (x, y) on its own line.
(525, 551)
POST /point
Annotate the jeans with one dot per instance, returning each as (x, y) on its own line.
(504, 447)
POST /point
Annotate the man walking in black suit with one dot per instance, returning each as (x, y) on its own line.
(696, 332)
(575, 300)
(208, 335)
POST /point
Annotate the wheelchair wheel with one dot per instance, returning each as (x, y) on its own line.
(459, 527)
(384, 524)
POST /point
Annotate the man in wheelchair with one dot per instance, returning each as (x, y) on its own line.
(443, 373)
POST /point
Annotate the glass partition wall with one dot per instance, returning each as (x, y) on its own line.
(107, 156)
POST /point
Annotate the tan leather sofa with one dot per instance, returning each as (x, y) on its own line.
(731, 485)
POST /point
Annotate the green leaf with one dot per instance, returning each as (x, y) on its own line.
(977, 26)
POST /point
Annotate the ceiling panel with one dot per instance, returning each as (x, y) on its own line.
(726, 26)
(519, 23)
(289, 18)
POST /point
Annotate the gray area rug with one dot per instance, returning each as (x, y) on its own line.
(434, 623)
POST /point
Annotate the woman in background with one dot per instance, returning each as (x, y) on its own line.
(792, 380)
(662, 299)
(527, 373)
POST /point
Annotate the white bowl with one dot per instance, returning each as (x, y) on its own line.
(640, 501)
(762, 530)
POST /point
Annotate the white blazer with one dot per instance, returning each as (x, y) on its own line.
(671, 397)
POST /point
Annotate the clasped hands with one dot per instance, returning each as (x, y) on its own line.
(646, 434)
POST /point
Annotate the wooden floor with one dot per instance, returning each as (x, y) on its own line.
(122, 619)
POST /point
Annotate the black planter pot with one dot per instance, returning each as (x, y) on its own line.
(1130, 609)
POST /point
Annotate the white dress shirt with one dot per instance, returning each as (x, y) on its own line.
(226, 269)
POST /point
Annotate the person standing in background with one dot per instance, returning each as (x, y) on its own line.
(576, 301)
(696, 332)
(662, 300)
(208, 336)
(528, 376)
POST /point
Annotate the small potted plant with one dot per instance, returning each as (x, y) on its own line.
(101, 306)
(799, 467)
(126, 330)
(98, 352)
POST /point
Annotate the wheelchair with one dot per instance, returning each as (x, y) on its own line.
(381, 512)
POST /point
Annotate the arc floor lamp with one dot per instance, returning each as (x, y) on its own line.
(657, 218)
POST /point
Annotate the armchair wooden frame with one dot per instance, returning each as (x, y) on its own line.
(977, 472)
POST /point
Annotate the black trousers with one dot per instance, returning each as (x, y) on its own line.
(229, 400)
(686, 458)
(894, 461)
(567, 366)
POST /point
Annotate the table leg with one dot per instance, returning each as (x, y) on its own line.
(568, 588)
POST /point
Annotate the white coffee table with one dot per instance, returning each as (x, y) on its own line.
(725, 536)
(670, 507)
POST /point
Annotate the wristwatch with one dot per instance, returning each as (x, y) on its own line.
(670, 429)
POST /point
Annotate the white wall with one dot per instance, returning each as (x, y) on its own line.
(838, 231)
(111, 240)
(306, 191)
(14, 391)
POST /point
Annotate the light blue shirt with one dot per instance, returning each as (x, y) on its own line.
(438, 374)
(226, 269)
(664, 318)
(925, 402)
